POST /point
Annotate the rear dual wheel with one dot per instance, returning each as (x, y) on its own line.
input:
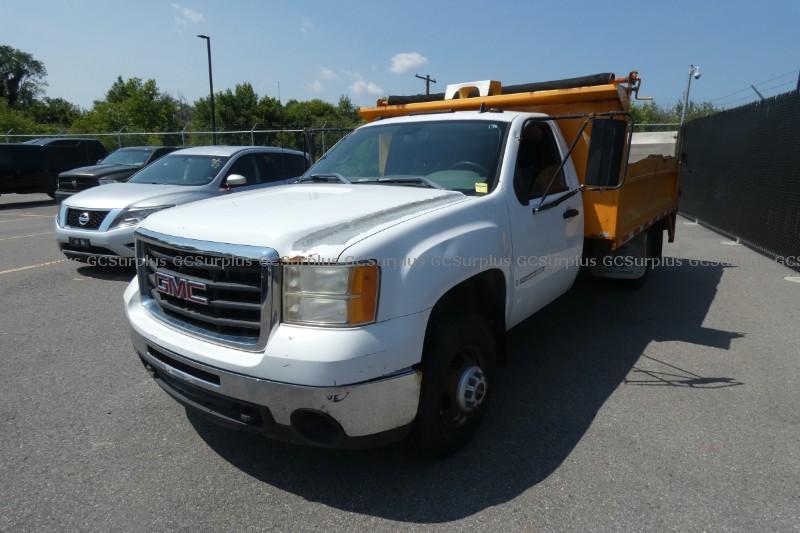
(654, 245)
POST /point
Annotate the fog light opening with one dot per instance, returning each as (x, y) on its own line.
(316, 426)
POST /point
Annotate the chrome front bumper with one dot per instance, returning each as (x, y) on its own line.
(363, 414)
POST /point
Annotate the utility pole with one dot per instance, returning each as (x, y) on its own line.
(694, 72)
(211, 90)
(428, 81)
(761, 96)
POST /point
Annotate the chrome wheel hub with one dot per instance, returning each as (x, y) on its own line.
(471, 389)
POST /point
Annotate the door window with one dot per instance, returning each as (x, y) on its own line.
(246, 166)
(537, 161)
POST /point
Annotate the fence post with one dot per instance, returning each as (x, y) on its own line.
(119, 136)
(8, 133)
(252, 140)
(183, 136)
(307, 144)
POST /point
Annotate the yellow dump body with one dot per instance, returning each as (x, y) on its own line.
(648, 191)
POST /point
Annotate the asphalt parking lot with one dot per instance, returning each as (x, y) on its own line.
(675, 407)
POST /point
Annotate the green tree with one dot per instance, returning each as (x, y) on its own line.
(17, 121)
(21, 77)
(347, 112)
(134, 105)
(54, 111)
(651, 113)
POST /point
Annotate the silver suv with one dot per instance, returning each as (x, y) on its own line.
(100, 222)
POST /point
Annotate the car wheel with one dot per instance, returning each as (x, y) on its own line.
(458, 367)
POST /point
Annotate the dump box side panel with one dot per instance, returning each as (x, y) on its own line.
(648, 195)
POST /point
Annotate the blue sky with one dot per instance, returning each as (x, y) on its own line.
(366, 49)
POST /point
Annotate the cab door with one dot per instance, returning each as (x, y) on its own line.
(546, 220)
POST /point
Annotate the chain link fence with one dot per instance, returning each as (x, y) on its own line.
(741, 173)
(315, 141)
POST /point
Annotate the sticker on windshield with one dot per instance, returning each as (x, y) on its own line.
(216, 163)
(482, 188)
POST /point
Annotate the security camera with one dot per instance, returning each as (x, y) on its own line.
(696, 72)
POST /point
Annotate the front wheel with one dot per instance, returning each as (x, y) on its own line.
(458, 368)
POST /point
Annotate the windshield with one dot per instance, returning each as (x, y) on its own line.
(176, 169)
(458, 155)
(128, 156)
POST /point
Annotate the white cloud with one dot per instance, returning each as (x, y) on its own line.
(315, 86)
(185, 15)
(361, 87)
(307, 26)
(327, 74)
(405, 61)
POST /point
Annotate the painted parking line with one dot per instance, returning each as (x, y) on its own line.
(23, 236)
(25, 215)
(20, 269)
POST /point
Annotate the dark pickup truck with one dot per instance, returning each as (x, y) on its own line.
(118, 167)
(34, 166)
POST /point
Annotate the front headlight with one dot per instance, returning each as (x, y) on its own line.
(134, 215)
(330, 295)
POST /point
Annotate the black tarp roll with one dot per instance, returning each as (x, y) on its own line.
(568, 83)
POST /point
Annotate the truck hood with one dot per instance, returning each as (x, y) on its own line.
(309, 220)
(120, 195)
(99, 171)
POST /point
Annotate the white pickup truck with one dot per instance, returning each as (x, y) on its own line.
(369, 301)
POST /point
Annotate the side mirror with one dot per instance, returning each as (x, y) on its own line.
(235, 180)
(99, 161)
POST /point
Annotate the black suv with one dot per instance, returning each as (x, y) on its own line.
(119, 166)
(34, 166)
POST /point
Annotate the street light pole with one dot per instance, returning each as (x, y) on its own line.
(694, 72)
(211, 90)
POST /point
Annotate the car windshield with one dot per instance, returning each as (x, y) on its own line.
(177, 169)
(458, 155)
(128, 156)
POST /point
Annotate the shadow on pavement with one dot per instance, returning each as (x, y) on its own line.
(565, 361)
(107, 273)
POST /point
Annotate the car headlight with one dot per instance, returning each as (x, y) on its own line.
(134, 215)
(330, 295)
(109, 179)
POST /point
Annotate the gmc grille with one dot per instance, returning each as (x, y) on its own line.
(95, 218)
(239, 291)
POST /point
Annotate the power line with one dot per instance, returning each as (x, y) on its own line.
(748, 88)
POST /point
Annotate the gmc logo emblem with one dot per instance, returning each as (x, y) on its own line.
(181, 288)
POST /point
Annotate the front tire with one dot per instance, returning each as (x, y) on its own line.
(458, 367)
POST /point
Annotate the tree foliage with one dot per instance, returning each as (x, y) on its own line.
(650, 113)
(21, 77)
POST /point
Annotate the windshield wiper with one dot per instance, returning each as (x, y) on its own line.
(319, 178)
(413, 180)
